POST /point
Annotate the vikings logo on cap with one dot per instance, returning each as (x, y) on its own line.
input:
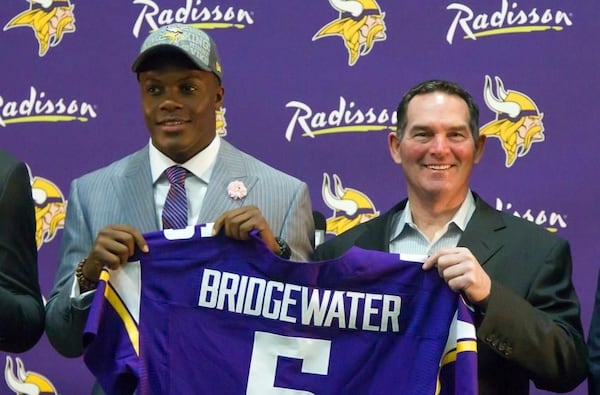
(49, 19)
(360, 25)
(173, 34)
(518, 122)
(198, 46)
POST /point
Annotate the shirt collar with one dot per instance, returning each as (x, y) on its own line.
(460, 218)
(199, 165)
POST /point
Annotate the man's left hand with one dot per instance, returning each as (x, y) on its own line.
(462, 272)
(238, 223)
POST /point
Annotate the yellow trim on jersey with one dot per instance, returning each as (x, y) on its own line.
(450, 356)
(115, 301)
(461, 346)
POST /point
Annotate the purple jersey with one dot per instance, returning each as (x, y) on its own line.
(222, 316)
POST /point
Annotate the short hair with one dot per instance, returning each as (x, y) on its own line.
(430, 86)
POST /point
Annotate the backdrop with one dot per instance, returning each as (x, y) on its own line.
(312, 89)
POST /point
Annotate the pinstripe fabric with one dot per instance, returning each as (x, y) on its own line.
(122, 193)
(175, 212)
(283, 200)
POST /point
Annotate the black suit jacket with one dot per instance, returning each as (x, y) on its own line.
(21, 307)
(594, 346)
(531, 329)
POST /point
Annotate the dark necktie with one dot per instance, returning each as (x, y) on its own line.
(174, 214)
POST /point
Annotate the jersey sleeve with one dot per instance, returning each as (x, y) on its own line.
(111, 334)
(458, 367)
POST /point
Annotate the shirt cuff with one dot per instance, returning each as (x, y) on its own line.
(80, 300)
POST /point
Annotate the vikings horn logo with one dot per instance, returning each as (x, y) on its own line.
(518, 122)
(360, 24)
(49, 19)
(350, 206)
(24, 382)
(221, 122)
(50, 209)
(174, 34)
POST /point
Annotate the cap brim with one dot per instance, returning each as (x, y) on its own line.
(150, 52)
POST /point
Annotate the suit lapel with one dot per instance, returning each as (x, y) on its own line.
(480, 235)
(134, 190)
(376, 235)
(229, 166)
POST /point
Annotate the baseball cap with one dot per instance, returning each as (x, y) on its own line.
(194, 43)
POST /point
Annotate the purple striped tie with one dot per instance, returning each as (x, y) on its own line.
(174, 214)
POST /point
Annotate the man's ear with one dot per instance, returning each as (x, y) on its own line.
(394, 146)
(479, 147)
(219, 96)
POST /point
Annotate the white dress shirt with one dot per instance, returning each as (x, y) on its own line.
(406, 237)
(199, 169)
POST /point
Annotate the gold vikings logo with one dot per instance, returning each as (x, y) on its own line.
(350, 206)
(360, 25)
(50, 209)
(518, 122)
(221, 122)
(26, 382)
(174, 34)
(49, 19)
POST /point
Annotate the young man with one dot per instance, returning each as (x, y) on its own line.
(21, 307)
(516, 274)
(180, 81)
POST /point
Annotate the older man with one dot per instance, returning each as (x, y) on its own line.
(516, 274)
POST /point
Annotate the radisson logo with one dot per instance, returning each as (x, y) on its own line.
(510, 18)
(192, 13)
(38, 108)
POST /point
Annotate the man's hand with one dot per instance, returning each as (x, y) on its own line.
(112, 248)
(462, 272)
(238, 223)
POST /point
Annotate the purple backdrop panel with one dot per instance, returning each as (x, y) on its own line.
(313, 93)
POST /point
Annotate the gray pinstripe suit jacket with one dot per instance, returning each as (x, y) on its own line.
(121, 193)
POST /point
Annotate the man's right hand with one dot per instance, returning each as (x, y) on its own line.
(113, 246)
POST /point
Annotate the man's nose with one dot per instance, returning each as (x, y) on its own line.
(440, 144)
(171, 100)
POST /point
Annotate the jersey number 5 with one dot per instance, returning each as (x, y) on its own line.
(267, 347)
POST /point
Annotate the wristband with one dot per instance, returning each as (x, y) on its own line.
(85, 284)
(284, 249)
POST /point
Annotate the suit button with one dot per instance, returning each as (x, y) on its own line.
(490, 338)
(502, 346)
